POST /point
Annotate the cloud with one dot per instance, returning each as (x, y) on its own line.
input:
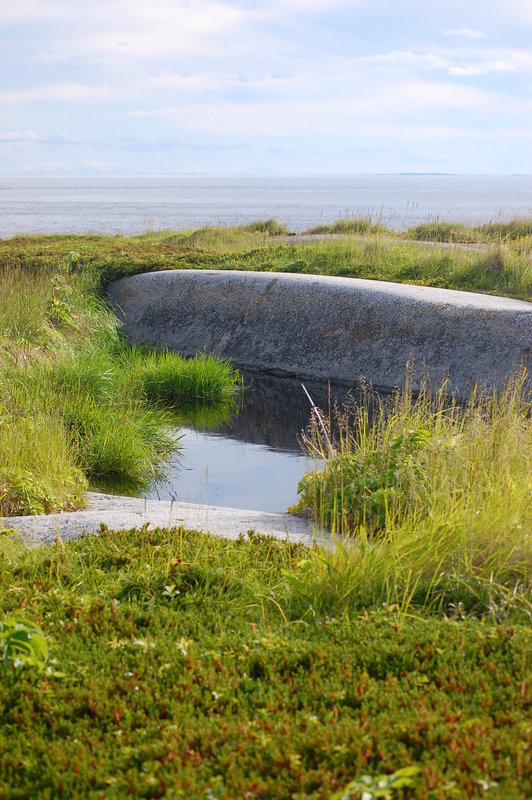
(351, 113)
(248, 74)
(466, 33)
(24, 10)
(314, 6)
(481, 68)
(20, 136)
(105, 166)
(68, 92)
(407, 59)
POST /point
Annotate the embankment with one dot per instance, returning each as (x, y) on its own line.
(343, 329)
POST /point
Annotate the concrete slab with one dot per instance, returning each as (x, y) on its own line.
(130, 512)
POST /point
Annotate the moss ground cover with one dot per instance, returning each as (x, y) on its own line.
(179, 665)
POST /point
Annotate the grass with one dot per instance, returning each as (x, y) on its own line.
(39, 473)
(170, 663)
(185, 383)
(53, 322)
(178, 666)
(434, 230)
(351, 226)
(498, 232)
(78, 407)
(438, 499)
(501, 267)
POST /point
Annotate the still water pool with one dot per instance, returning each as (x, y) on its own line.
(255, 459)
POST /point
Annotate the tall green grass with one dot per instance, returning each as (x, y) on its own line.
(184, 383)
(458, 232)
(433, 230)
(39, 472)
(269, 226)
(351, 226)
(78, 407)
(437, 501)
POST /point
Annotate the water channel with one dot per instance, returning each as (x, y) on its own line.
(255, 459)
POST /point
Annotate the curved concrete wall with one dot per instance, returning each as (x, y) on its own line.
(342, 329)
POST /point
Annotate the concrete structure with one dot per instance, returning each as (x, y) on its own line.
(342, 329)
(120, 513)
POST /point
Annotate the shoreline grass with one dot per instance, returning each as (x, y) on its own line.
(501, 266)
(433, 230)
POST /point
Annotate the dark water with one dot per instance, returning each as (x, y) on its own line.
(136, 205)
(255, 460)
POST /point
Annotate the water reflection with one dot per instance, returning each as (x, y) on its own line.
(254, 459)
(276, 410)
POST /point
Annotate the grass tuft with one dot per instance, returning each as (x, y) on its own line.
(439, 501)
(351, 226)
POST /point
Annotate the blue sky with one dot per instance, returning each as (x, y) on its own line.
(298, 87)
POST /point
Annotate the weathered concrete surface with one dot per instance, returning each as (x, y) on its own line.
(342, 329)
(130, 512)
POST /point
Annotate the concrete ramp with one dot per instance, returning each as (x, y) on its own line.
(343, 329)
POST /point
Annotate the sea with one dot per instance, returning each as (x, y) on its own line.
(136, 205)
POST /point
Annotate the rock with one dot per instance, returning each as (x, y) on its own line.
(340, 329)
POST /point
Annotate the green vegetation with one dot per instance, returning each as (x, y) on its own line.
(184, 668)
(354, 226)
(456, 232)
(168, 663)
(269, 226)
(79, 408)
(435, 231)
(500, 267)
(439, 500)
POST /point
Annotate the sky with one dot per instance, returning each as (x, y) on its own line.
(243, 87)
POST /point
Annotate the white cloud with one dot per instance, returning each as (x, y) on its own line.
(249, 71)
(313, 6)
(481, 68)
(466, 33)
(68, 92)
(353, 113)
(407, 59)
(24, 10)
(20, 136)
(104, 166)
(163, 27)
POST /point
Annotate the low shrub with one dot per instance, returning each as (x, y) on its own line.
(177, 675)
(269, 226)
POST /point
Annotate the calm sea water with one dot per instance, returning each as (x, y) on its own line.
(136, 205)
